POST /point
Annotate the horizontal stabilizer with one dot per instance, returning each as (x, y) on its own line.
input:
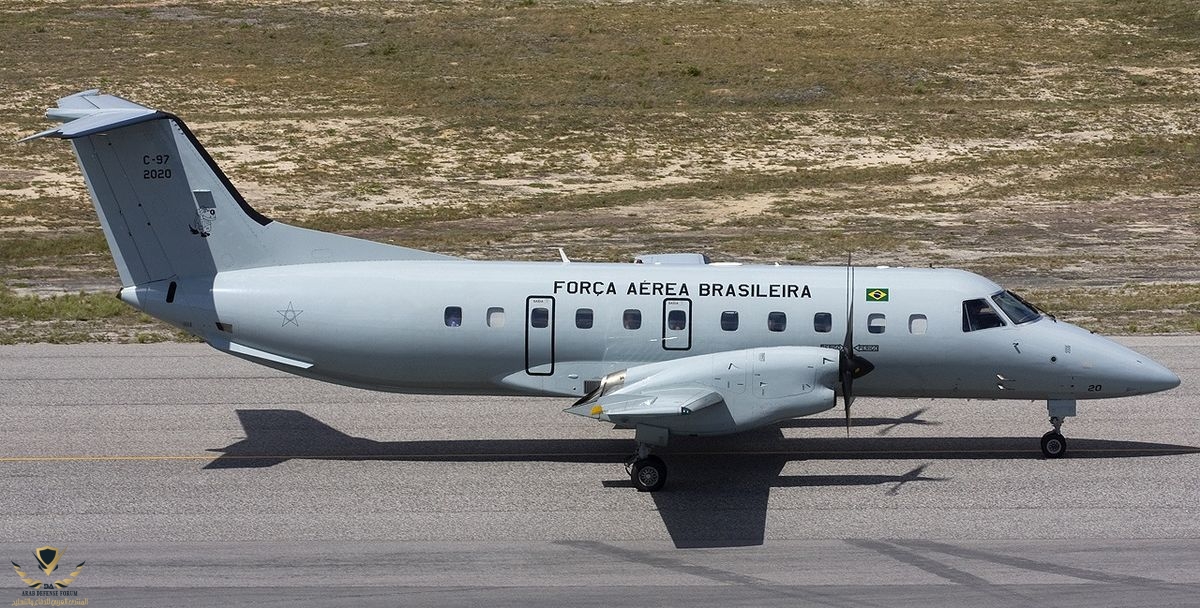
(87, 102)
(663, 402)
(90, 112)
(105, 120)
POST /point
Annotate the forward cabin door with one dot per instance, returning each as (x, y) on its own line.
(539, 335)
(677, 324)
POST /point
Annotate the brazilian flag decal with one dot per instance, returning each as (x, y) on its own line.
(877, 294)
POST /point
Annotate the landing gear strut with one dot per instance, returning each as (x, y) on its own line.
(1054, 445)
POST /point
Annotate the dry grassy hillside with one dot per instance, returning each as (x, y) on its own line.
(1050, 145)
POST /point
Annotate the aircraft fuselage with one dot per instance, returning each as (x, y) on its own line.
(550, 328)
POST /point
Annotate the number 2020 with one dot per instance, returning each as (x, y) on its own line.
(156, 174)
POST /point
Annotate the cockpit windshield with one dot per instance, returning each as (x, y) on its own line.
(978, 314)
(1016, 308)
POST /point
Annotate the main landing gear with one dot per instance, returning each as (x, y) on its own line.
(648, 473)
(1054, 445)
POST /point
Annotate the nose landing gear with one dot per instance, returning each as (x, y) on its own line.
(1054, 445)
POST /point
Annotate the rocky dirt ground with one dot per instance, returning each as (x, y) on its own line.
(1051, 146)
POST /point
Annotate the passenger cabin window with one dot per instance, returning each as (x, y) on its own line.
(632, 319)
(495, 317)
(978, 314)
(823, 322)
(729, 320)
(676, 320)
(777, 321)
(1018, 310)
(453, 316)
(876, 323)
(539, 318)
(583, 318)
(918, 324)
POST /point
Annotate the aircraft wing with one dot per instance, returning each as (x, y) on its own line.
(716, 393)
(655, 402)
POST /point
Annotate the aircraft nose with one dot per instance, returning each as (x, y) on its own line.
(1113, 369)
(1159, 378)
(1145, 375)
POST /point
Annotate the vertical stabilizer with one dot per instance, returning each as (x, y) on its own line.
(169, 212)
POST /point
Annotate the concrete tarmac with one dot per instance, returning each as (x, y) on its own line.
(182, 476)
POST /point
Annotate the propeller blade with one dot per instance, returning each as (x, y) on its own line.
(847, 418)
(847, 393)
(851, 365)
(849, 342)
(847, 361)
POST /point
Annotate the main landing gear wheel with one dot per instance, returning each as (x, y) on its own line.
(1054, 445)
(648, 474)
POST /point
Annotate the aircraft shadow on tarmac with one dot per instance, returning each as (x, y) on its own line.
(719, 487)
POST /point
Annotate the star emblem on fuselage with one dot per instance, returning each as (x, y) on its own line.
(290, 315)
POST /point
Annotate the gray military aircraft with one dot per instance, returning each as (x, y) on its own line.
(673, 345)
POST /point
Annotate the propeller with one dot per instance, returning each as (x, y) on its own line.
(851, 366)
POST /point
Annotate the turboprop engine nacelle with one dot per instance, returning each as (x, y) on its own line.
(718, 394)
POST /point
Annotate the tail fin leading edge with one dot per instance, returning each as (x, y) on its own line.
(166, 208)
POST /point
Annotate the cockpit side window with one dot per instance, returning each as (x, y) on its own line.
(1017, 309)
(978, 314)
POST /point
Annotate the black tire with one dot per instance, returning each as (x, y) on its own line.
(1054, 445)
(649, 474)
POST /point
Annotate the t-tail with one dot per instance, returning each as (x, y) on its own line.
(171, 217)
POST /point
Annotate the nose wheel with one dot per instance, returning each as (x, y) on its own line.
(1054, 445)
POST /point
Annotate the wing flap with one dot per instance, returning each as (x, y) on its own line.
(652, 403)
